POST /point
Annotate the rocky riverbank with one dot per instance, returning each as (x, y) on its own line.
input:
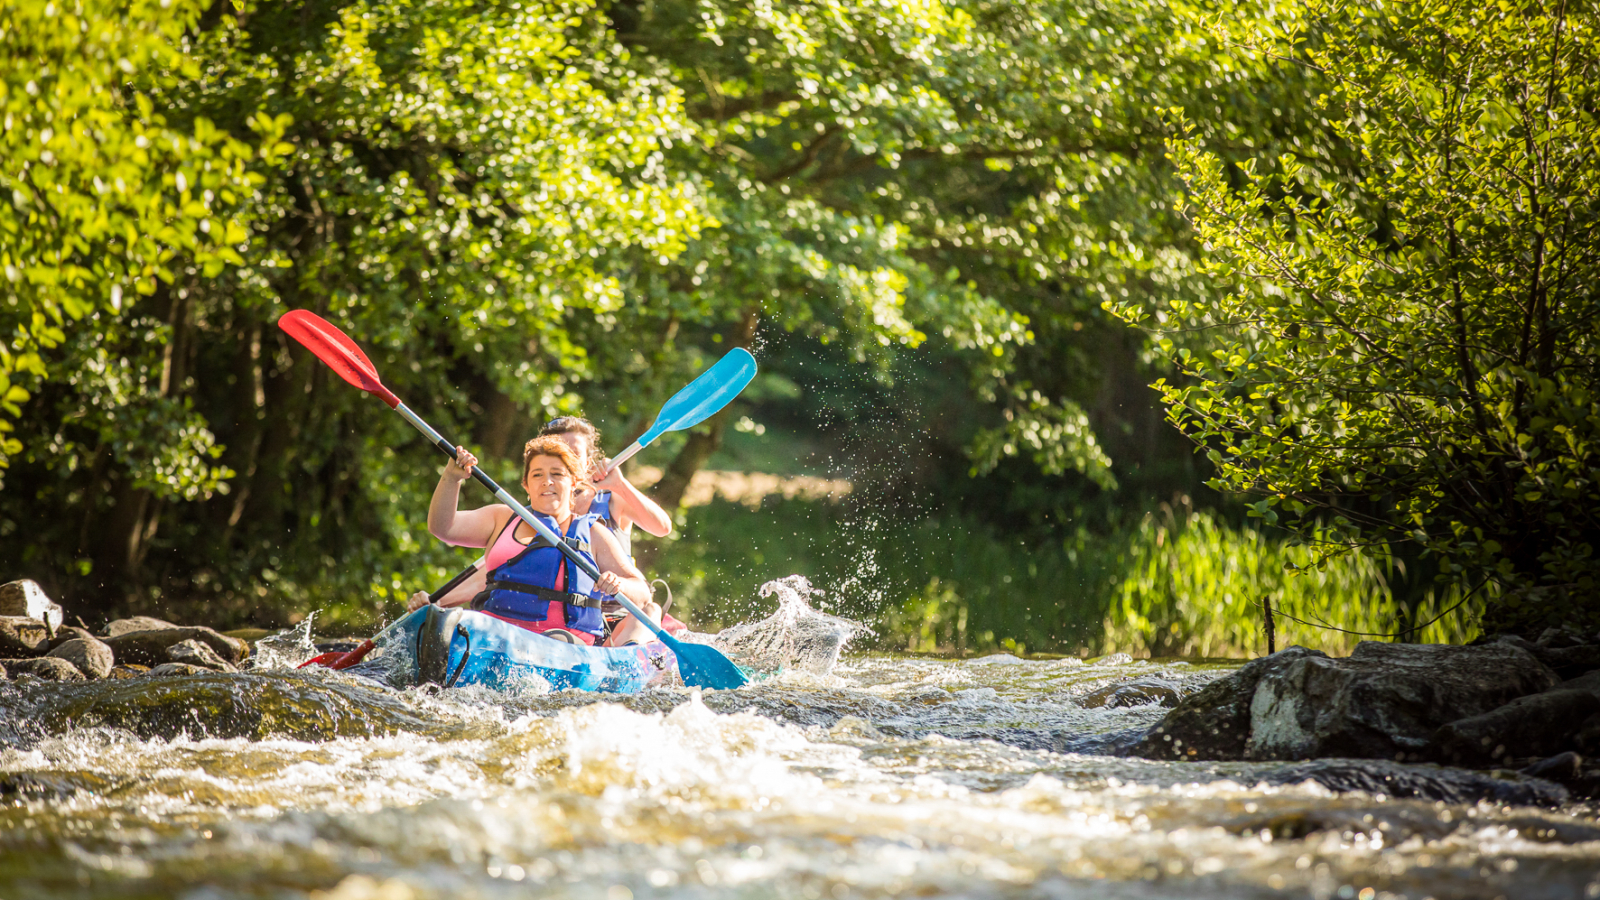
(1507, 704)
(35, 641)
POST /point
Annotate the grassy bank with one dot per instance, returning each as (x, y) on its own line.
(1169, 583)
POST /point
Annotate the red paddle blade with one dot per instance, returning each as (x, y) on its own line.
(333, 347)
(322, 659)
(353, 657)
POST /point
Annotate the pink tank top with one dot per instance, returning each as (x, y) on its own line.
(505, 547)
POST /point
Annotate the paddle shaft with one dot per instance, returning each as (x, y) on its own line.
(624, 456)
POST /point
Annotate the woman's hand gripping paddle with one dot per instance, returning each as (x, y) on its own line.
(337, 659)
(699, 400)
(699, 664)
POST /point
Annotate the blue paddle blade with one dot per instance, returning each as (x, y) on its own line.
(706, 667)
(702, 397)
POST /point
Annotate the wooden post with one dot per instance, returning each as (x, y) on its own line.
(1272, 632)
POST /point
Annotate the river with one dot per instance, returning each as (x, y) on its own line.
(887, 776)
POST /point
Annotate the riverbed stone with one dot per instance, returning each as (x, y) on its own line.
(1385, 701)
(176, 668)
(1540, 725)
(196, 653)
(47, 668)
(22, 637)
(69, 633)
(149, 647)
(1422, 782)
(25, 599)
(1214, 722)
(1137, 692)
(90, 656)
(119, 627)
(119, 672)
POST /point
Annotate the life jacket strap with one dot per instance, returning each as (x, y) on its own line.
(545, 594)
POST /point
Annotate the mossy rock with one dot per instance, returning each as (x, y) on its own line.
(252, 706)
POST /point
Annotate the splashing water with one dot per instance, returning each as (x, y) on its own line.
(795, 638)
(286, 649)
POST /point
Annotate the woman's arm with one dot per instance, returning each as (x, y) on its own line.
(469, 528)
(630, 507)
(617, 574)
(460, 595)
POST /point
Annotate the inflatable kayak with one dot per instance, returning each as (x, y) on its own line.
(455, 647)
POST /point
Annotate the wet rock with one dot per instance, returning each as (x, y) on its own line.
(178, 668)
(50, 785)
(25, 599)
(149, 647)
(255, 707)
(48, 668)
(1569, 770)
(1563, 652)
(88, 655)
(1214, 723)
(1561, 768)
(127, 671)
(1587, 737)
(23, 637)
(1535, 725)
(195, 653)
(1570, 662)
(1384, 701)
(70, 633)
(1139, 692)
(1422, 782)
(119, 627)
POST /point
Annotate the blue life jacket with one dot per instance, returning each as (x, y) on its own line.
(524, 586)
(601, 506)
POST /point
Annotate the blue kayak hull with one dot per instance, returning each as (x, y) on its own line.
(458, 647)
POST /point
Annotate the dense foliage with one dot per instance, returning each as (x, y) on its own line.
(104, 199)
(1413, 357)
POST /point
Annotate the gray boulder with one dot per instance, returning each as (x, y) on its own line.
(88, 655)
(48, 668)
(119, 627)
(1535, 725)
(25, 599)
(23, 637)
(1384, 701)
(1214, 723)
(149, 647)
(196, 653)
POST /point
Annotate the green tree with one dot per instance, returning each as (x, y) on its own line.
(100, 196)
(451, 183)
(1412, 358)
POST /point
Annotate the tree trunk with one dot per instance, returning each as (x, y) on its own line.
(500, 420)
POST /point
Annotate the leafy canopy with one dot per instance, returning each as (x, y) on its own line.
(1412, 358)
(99, 195)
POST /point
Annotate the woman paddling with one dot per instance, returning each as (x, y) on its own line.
(530, 582)
(606, 492)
